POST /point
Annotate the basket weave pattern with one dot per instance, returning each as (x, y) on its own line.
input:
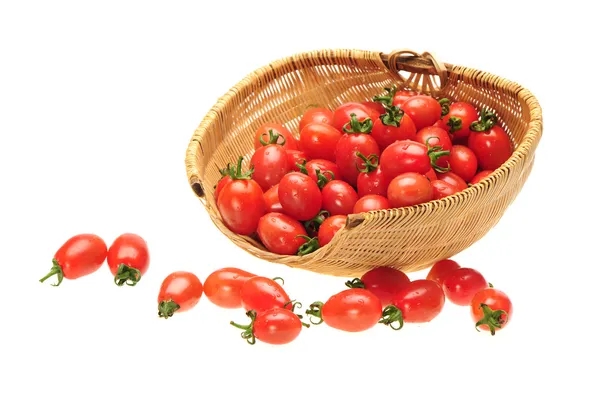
(409, 238)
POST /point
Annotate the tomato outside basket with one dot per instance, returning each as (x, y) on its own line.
(410, 238)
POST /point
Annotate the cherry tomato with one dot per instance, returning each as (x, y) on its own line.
(346, 154)
(442, 189)
(296, 157)
(352, 310)
(376, 109)
(261, 294)
(393, 126)
(128, 259)
(409, 189)
(370, 202)
(431, 175)
(319, 141)
(327, 168)
(342, 115)
(435, 136)
(299, 196)
(270, 164)
(265, 130)
(275, 326)
(79, 256)
(423, 110)
(330, 227)
(453, 179)
(491, 309)
(402, 96)
(372, 182)
(440, 269)
(420, 301)
(383, 282)
(223, 287)
(404, 156)
(271, 197)
(490, 143)
(279, 233)
(225, 179)
(463, 162)
(316, 115)
(481, 175)
(339, 198)
(179, 292)
(241, 203)
(459, 119)
(461, 285)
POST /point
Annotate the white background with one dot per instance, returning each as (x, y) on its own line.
(97, 105)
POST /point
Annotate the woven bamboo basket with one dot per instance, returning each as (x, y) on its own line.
(410, 238)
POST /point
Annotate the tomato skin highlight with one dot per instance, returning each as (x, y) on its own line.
(385, 283)
(371, 202)
(270, 164)
(341, 115)
(461, 285)
(463, 162)
(409, 189)
(404, 156)
(492, 148)
(374, 182)
(295, 157)
(346, 158)
(279, 233)
(271, 197)
(131, 250)
(494, 299)
(241, 204)
(179, 292)
(263, 131)
(316, 116)
(330, 227)
(277, 326)
(479, 176)
(319, 141)
(352, 310)
(453, 179)
(463, 114)
(223, 287)
(423, 110)
(261, 294)
(299, 196)
(402, 96)
(441, 269)
(420, 301)
(339, 198)
(442, 189)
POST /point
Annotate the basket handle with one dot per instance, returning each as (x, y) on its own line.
(422, 65)
(197, 187)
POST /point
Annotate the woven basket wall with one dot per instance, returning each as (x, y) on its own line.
(409, 238)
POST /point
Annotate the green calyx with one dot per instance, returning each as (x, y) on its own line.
(56, 269)
(127, 275)
(237, 174)
(323, 178)
(273, 139)
(390, 316)
(494, 319)
(392, 116)
(445, 104)
(487, 120)
(435, 152)
(311, 245)
(313, 225)
(371, 162)
(455, 124)
(358, 127)
(388, 98)
(279, 279)
(296, 305)
(315, 311)
(247, 330)
(166, 309)
(355, 283)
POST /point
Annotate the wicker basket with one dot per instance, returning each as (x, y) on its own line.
(410, 238)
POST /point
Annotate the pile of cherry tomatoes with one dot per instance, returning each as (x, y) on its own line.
(399, 150)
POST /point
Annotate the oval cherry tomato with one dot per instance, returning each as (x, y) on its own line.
(327, 168)
(420, 301)
(370, 202)
(404, 156)
(383, 282)
(393, 126)
(352, 310)
(270, 164)
(442, 189)
(463, 162)
(375, 108)
(409, 189)
(440, 269)
(179, 292)
(299, 196)
(279, 233)
(225, 179)
(481, 175)
(79, 256)
(272, 203)
(490, 143)
(319, 141)
(223, 287)
(128, 259)
(267, 129)
(261, 294)
(275, 326)
(453, 179)
(373, 182)
(339, 198)
(316, 115)
(459, 118)
(461, 285)
(241, 203)
(296, 157)
(330, 227)
(402, 96)
(346, 154)
(435, 136)
(491, 309)
(431, 175)
(423, 110)
(342, 115)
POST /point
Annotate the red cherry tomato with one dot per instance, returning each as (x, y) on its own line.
(440, 269)
(299, 196)
(461, 285)
(482, 175)
(370, 202)
(275, 326)
(346, 154)
(491, 309)
(261, 294)
(442, 189)
(79, 256)
(241, 203)
(420, 301)
(409, 189)
(352, 310)
(319, 141)
(372, 182)
(279, 233)
(453, 179)
(423, 110)
(266, 129)
(435, 136)
(128, 259)
(327, 168)
(296, 157)
(383, 282)
(225, 179)
(330, 227)
(404, 156)
(459, 119)
(272, 203)
(339, 198)
(393, 126)
(463, 162)
(402, 96)
(490, 143)
(270, 165)
(179, 292)
(342, 115)
(375, 108)
(431, 175)
(223, 287)
(316, 115)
